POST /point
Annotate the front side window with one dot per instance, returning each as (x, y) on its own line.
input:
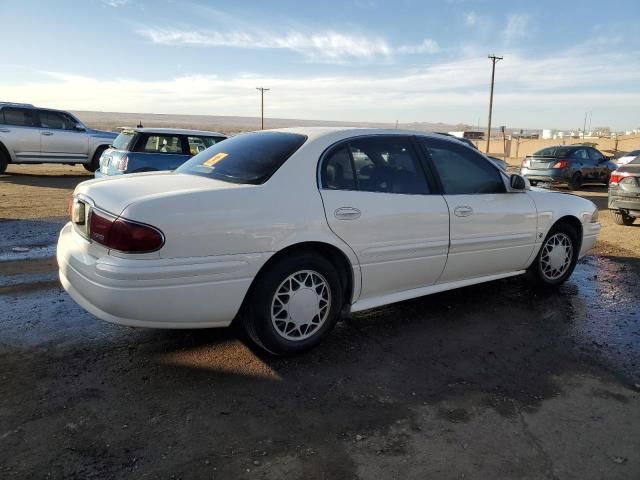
(595, 155)
(56, 120)
(20, 117)
(581, 153)
(247, 158)
(463, 171)
(162, 144)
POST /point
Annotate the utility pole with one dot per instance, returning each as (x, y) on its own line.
(590, 113)
(494, 60)
(585, 124)
(262, 90)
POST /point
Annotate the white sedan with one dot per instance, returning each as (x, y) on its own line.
(287, 229)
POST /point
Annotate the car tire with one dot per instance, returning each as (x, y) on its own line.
(285, 324)
(95, 161)
(4, 161)
(553, 266)
(622, 218)
(575, 182)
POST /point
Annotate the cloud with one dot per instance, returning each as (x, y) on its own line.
(426, 46)
(115, 3)
(324, 46)
(517, 27)
(471, 18)
(329, 45)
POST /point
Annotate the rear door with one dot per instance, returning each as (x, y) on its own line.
(378, 199)
(581, 161)
(60, 139)
(492, 231)
(19, 127)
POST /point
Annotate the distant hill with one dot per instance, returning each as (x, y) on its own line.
(230, 125)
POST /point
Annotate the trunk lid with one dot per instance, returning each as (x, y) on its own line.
(537, 162)
(113, 195)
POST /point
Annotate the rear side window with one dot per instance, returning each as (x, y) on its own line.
(595, 155)
(123, 141)
(461, 170)
(20, 117)
(247, 158)
(338, 171)
(384, 164)
(161, 144)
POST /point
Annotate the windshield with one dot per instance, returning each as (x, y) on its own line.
(246, 158)
(123, 140)
(554, 152)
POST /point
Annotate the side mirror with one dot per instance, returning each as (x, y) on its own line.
(80, 127)
(517, 182)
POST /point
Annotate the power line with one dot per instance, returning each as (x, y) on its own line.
(262, 90)
(494, 59)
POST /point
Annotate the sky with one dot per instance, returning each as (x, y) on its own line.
(349, 60)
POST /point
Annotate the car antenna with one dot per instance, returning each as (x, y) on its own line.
(139, 124)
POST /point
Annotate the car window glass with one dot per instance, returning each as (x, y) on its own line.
(461, 170)
(200, 144)
(56, 120)
(581, 153)
(595, 155)
(123, 141)
(249, 158)
(162, 144)
(338, 173)
(387, 164)
(19, 117)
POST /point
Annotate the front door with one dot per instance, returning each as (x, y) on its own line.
(61, 140)
(492, 231)
(378, 200)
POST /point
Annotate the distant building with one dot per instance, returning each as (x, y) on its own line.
(470, 134)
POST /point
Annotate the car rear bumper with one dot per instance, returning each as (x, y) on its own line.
(198, 292)
(550, 175)
(624, 202)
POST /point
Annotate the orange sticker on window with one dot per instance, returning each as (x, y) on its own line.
(215, 159)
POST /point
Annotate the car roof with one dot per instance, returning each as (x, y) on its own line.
(314, 133)
(176, 131)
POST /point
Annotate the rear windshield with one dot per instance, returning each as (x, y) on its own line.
(635, 161)
(247, 158)
(123, 140)
(554, 152)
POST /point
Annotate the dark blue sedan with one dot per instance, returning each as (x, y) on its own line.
(150, 149)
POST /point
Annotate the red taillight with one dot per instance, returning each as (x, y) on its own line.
(561, 164)
(124, 235)
(616, 177)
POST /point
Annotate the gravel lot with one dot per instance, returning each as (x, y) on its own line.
(490, 381)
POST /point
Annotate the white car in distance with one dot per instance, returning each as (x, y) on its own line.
(286, 229)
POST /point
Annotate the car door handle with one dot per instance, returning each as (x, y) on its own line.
(463, 211)
(347, 213)
(47, 134)
(4, 130)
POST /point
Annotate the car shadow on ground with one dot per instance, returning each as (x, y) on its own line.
(66, 181)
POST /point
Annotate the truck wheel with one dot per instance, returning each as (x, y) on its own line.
(622, 218)
(95, 161)
(4, 161)
(576, 181)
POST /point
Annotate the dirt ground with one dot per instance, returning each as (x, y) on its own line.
(490, 381)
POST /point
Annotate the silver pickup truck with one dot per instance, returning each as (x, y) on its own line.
(30, 134)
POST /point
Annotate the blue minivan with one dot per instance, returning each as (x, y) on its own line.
(150, 149)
